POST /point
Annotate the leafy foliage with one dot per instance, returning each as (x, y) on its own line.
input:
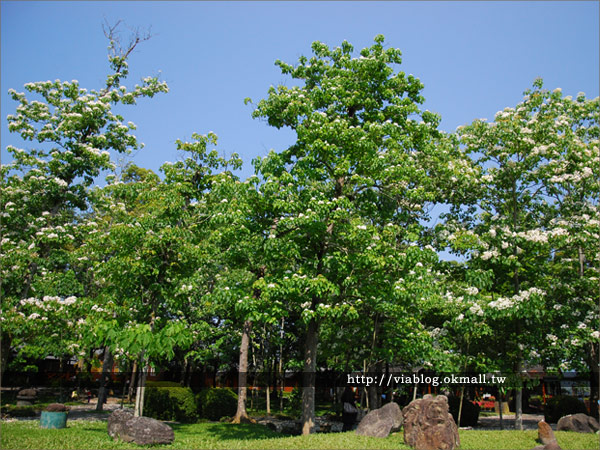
(216, 403)
(170, 402)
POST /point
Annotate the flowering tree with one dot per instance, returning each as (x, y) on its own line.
(349, 194)
(513, 230)
(46, 186)
(573, 183)
(154, 257)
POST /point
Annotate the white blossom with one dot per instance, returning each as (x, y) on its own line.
(472, 290)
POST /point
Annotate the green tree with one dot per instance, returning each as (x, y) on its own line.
(152, 258)
(512, 226)
(349, 194)
(45, 188)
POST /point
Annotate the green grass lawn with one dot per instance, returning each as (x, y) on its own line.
(92, 435)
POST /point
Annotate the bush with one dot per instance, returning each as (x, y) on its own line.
(19, 411)
(562, 405)
(217, 403)
(469, 414)
(295, 399)
(165, 400)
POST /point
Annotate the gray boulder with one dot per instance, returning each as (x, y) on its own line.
(381, 422)
(581, 423)
(140, 430)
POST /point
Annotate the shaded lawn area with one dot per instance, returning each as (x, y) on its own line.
(93, 435)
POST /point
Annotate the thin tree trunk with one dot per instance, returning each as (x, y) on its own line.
(241, 415)
(309, 375)
(184, 370)
(132, 381)
(500, 408)
(107, 364)
(281, 374)
(519, 409)
(141, 388)
(594, 380)
(519, 393)
(268, 393)
(462, 396)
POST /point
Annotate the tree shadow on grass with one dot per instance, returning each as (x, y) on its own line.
(228, 431)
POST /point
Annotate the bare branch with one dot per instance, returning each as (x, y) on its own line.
(136, 36)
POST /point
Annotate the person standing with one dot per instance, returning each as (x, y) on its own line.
(349, 409)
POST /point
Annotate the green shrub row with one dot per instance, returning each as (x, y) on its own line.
(562, 405)
(166, 400)
(217, 403)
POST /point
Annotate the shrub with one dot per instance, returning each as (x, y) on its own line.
(469, 414)
(562, 405)
(216, 403)
(165, 400)
(19, 411)
(295, 399)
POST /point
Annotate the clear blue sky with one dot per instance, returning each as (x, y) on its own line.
(474, 58)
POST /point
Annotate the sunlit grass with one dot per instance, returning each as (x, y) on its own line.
(82, 434)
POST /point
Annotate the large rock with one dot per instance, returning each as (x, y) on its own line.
(381, 422)
(140, 430)
(429, 426)
(580, 423)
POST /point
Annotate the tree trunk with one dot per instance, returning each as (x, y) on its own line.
(141, 388)
(519, 391)
(184, 370)
(107, 364)
(281, 374)
(594, 380)
(268, 394)
(460, 405)
(500, 408)
(241, 415)
(519, 408)
(132, 381)
(308, 376)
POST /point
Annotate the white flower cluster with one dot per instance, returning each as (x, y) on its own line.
(505, 303)
(472, 290)
(489, 254)
(476, 309)
(501, 303)
(534, 236)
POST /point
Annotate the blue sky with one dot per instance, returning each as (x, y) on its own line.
(474, 58)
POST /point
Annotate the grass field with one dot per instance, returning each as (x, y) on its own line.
(92, 435)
